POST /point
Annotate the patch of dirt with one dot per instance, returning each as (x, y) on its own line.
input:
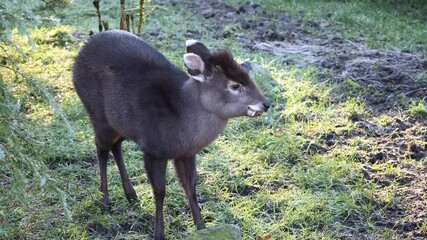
(386, 78)
(399, 144)
(407, 217)
(392, 141)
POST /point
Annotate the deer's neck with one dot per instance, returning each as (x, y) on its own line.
(200, 127)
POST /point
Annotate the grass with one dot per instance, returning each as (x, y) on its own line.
(418, 109)
(269, 175)
(392, 25)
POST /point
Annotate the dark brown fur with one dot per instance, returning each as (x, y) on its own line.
(225, 61)
(131, 91)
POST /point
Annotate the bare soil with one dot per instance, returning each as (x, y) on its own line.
(388, 81)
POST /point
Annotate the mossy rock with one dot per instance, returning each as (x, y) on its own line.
(223, 232)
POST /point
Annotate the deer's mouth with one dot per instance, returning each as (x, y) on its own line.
(253, 113)
(254, 110)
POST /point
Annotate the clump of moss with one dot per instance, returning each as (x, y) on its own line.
(52, 4)
(57, 37)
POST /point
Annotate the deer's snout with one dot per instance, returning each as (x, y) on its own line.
(266, 105)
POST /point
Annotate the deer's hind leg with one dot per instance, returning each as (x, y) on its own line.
(116, 149)
(105, 137)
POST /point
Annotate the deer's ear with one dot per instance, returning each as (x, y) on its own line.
(198, 48)
(195, 66)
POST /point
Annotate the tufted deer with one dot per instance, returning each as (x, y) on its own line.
(131, 91)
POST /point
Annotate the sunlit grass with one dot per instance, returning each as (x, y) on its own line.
(242, 174)
(268, 175)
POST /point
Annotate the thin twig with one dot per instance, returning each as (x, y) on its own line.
(105, 23)
(128, 22)
(415, 90)
(131, 17)
(123, 23)
(96, 4)
(141, 16)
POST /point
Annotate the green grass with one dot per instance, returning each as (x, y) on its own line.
(267, 175)
(418, 109)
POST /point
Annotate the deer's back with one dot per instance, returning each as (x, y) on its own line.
(126, 84)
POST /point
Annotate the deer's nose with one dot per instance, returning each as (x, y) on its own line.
(266, 105)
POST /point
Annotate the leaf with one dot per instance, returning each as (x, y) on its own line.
(65, 204)
(353, 83)
(267, 237)
(43, 180)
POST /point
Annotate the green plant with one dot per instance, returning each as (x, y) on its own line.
(418, 109)
(422, 77)
(17, 15)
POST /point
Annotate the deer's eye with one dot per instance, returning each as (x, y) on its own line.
(235, 86)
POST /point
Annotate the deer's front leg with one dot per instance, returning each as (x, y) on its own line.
(156, 171)
(186, 171)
